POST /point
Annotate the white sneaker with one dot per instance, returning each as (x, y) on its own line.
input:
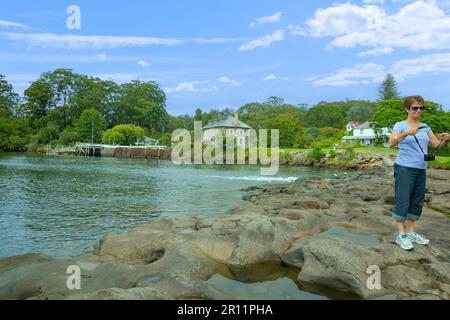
(417, 238)
(404, 242)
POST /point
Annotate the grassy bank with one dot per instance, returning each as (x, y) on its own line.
(439, 163)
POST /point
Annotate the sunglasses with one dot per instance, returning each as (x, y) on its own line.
(417, 108)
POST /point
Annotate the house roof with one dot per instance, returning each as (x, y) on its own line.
(354, 123)
(365, 125)
(229, 122)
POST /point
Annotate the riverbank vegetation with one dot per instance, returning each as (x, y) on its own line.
(62, 107)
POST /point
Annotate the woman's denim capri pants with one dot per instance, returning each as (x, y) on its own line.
(409, 193)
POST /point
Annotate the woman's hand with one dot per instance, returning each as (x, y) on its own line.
(445, 136)
(411, 132)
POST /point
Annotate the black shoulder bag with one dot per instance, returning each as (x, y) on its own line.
(426, 157)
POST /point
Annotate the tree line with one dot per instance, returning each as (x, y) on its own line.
(63, 107)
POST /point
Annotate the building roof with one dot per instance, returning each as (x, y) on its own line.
(354, 123)
(229, 122)
(365, 125)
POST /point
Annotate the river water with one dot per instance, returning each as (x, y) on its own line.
(60, 206)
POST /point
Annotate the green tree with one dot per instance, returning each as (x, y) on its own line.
(360, 113)
(258, 114)
(124, 134)
(68, 136)
(388, 89)
(313, 132)
(9, 100)
(181, 122)
(97, 94)
(391, 111)
(90, 126)
(143, 104)
(198, 115)
(47, 135)
(38, 98)
(326, 115)
(275, 102)
(289, 129)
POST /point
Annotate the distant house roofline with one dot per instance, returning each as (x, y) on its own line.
(229, 122)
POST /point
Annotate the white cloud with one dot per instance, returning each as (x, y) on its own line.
(227, 80)
(28, 58)
(267, 19)
(420, 25)
(76, 42)
(97, 42)
(12, 25)
(374, 1)
(144, 64)
(432, 64)
(428, 64)
(375, 52)
(269, 77)
(297, 30)
(263, 41)
(191, 86)
(101, 57)
(358, 74)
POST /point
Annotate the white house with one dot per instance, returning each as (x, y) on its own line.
(366, 135)
(352, 125)
(229, 126)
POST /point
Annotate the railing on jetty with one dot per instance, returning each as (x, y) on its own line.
(105, 150)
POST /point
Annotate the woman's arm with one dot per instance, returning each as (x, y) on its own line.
(396, 137)
(435, 142)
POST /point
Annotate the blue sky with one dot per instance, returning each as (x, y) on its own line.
(217, 53)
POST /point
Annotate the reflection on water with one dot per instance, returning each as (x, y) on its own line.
(279, 289)
(61, 205)
(273, 281)
(265, 281)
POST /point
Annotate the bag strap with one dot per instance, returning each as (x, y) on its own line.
(419, 145)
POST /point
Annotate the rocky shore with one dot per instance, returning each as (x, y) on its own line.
(339, 161)
(330, 230)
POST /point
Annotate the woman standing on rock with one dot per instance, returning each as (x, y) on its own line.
(412, 138)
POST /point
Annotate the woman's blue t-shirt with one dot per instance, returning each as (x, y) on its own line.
(409, 154)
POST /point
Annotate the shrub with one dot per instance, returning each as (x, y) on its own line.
(16, 143)
(349, 154)
(444, 152)
(125, 134)
(46, 135)
(332, 154)
(68, 136)
(315, 154)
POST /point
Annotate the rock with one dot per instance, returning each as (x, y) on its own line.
(422, 297)
(370, 198)
(218, 248)
(439, 271)
(310, 204)
(411, 280)
(333, 263)
(389, 200)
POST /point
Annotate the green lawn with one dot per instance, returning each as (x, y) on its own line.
(376, 150)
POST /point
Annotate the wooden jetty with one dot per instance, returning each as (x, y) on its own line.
(104, 150)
